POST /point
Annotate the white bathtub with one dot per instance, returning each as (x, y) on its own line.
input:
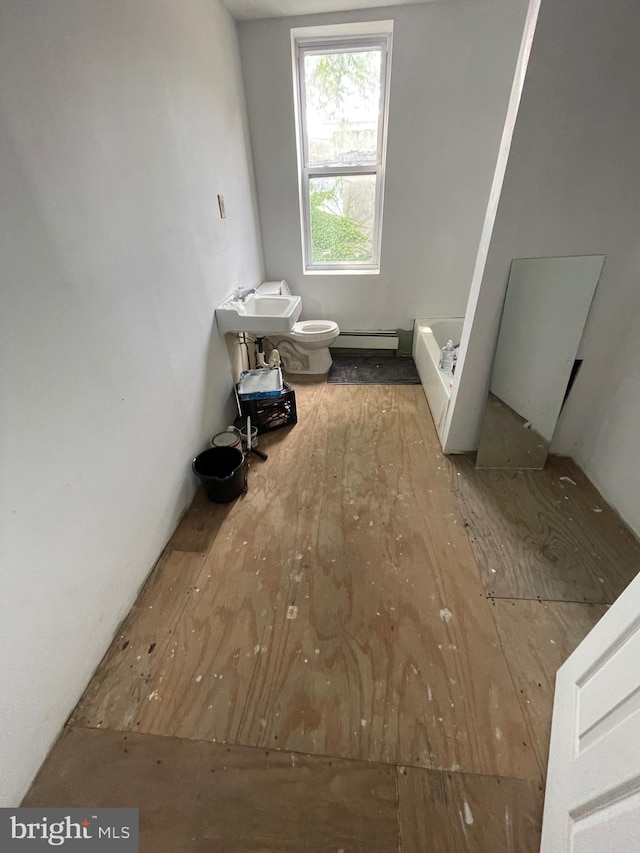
(429, 337)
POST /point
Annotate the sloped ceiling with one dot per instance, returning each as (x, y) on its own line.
(242, 10)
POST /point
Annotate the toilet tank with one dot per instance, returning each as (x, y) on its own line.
(273, 288)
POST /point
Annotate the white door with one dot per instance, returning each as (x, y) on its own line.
(592, 802)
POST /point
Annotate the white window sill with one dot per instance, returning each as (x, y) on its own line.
(338, 271)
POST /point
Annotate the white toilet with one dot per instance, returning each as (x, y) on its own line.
(305, 349)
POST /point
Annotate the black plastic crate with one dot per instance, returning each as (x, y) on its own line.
(271, 412)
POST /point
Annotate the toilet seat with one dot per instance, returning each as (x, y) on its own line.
(314, 330)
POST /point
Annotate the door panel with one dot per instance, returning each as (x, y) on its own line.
(592, 802)
(611, 828)
(612, 686)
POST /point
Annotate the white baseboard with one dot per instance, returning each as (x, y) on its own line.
(367, 340)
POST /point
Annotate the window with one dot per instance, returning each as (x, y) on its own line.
(341, 81)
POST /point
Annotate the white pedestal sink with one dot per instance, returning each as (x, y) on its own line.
(258, 315)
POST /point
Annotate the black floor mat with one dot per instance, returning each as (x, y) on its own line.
(372, 370)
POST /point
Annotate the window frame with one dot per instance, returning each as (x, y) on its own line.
(321, 40)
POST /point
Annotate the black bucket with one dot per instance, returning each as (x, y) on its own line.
(221, 472)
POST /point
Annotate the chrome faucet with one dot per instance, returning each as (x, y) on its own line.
(241, 293)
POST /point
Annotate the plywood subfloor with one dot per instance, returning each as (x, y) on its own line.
(197, 797)
(199, 526)
(339, 610)
(120, 684)
(461, 813)
(545, 534)
(391, 656)
(537, 638)
(318, 666)
(200, 797)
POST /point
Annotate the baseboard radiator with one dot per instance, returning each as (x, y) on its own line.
(367, 340)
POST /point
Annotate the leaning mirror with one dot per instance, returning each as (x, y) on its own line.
(545, 310)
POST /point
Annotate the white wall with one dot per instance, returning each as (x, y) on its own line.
(572, 187)
(119, 123)
(452, 68)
